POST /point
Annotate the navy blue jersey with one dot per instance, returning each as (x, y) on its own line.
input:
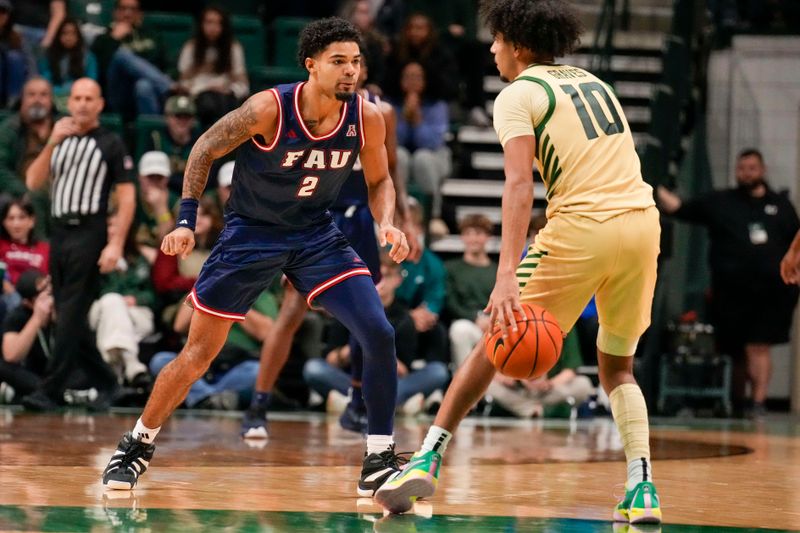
(354, 190)
(295, 179)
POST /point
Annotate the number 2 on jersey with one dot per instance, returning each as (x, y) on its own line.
(308, 186)
(588, 90)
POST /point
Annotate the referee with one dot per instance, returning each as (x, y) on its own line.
(83, 161)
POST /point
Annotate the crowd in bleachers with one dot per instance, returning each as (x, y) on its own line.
(165, 79)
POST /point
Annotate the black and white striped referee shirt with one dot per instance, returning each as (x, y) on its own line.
(84, 168)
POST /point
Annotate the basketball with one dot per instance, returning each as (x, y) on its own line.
(532, 350)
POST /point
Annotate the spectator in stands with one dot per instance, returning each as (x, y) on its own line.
(750, 227)
(470, 280)
(230, 380)
(92, 161)
(224, 182)
(23, 135)
(174, 276)
(123, 315)
(19, 248)
(66, 60)
(15, 59)
(552, 395)
(132, 62)
(212, 67)
(415, 381)
(376, 45)
(419, 43)
(423, 291)
(423, 157)
(156, 202)
(177, 139)
(27, 335)
(38, 21)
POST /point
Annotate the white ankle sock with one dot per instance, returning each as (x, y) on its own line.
(144, 433)
(639, 470)
(379, 443)
(436, 440)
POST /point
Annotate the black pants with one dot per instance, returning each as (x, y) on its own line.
(74, 251)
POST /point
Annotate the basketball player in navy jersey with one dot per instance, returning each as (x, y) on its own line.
(298, 145)
(352, 216)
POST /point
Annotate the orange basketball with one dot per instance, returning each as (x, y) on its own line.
(532, 350)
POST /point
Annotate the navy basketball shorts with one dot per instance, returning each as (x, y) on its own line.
(357, 224)
(247, 257)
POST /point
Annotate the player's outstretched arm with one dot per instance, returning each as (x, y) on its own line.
(400, 191)
(790, 265)
(258, 115)
(516, 213)
(379, 182)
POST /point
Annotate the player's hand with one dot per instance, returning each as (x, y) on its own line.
(503, 301)
(391, 235)
(412, 237)
(179, 241)
(109, 258)
(790, 268)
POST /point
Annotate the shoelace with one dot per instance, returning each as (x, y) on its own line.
(396, 460)
(134, 450)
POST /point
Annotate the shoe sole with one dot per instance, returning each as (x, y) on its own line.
(645, 516)
(364, 493)
(118, 485)
(255, 433)
(400, 499)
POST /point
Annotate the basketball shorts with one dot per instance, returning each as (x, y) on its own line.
(575, 257)
(358, 226)
(247, 257)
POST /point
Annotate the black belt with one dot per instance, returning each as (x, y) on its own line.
(77, 220)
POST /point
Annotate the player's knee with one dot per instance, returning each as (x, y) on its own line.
(196, 359)
(379, 335)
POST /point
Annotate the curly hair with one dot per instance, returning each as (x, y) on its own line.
(548, 28)
(316, 37)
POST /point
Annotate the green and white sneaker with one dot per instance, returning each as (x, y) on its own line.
(641, 505)
(418, 479)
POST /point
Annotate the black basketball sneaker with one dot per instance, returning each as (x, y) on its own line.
(129, 461)
(377, 468)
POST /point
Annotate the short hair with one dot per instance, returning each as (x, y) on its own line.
(318, 35)
(476, 221)
(747, 152)
(546, 27)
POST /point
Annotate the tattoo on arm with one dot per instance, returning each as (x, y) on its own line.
(226, 134)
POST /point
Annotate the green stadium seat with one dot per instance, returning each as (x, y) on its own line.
(251, 34)
(249, 8)
(287, 30)
(145, 124)
(113, 121)
(173, 28)
(97, 12)
(263, 78)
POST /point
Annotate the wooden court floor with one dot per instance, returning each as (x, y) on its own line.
(499, 475)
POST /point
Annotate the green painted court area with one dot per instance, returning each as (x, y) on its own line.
(108, 518)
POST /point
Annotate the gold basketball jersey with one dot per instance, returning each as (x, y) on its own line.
(584, 147)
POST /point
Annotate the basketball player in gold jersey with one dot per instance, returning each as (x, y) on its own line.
(601, 238)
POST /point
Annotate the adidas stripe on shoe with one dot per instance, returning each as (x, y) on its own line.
(130, 460)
